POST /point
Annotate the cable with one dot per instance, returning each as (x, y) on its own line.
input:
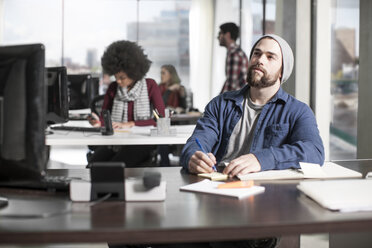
(47, 215)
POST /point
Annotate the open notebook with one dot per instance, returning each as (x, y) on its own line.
(328, 171)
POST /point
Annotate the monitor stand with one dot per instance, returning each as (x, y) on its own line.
(3, 202)
(48, 132)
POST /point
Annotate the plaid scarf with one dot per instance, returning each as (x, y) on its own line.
(139, 95)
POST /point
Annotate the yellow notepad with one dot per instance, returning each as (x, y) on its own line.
(214, 176)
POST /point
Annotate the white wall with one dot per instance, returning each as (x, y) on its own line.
(201, 35)
(303, 38)
(323, 70)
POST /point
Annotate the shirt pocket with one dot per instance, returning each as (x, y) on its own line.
(275, 135)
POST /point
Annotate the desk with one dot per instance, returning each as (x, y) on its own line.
(182, 217)
(185, 119)
(137, 136)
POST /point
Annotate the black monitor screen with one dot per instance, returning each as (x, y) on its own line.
(57, 95)
(82, 89)
(23, 93)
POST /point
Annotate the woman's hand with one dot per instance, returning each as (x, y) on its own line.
(119, 125)
(94, 120)
(174, 87)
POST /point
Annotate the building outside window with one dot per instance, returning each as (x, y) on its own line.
(37, 21)
(163, 30)
(76, 32)
(344, 84)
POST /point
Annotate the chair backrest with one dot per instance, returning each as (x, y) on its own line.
(96, 104)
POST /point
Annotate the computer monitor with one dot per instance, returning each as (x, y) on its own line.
(23, 153)
(57, 111)
(82, 89)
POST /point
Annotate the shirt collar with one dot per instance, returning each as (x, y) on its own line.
(232, 46)
(238, 95)
(280, 95)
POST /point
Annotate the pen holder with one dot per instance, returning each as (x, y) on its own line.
(163, 128)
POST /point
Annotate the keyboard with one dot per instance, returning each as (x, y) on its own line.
(79, 129)
(53, 183)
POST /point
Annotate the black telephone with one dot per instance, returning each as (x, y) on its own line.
(107, 129)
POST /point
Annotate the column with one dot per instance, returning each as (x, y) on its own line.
(364, 134)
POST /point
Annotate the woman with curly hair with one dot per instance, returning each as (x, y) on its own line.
(130, 99)
(173, 93)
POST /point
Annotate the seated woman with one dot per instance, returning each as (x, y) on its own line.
(174, 97)
(173, 93)
(130, 100)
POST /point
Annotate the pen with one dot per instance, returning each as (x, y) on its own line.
(202, 149)
(155, 114)
(159, 115)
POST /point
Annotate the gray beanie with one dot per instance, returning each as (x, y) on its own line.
(287, 55)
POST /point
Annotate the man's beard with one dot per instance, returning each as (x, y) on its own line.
(265, 81)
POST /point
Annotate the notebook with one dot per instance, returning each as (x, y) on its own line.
(210, 187)
(329, 170)
(214, 176)
(340, 195)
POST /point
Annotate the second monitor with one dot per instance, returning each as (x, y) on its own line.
(57, 95)
(82, 89)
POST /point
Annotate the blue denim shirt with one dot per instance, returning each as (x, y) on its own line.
(286, 132)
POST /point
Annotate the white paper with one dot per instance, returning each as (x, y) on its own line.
(210, 187)
(310, 170)
(74, 123)
(327, 171)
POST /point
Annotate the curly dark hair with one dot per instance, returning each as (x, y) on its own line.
(125, 56)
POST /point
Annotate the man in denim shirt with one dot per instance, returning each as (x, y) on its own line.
(259, 127)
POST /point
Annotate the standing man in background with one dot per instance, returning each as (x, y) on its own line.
(236, 67)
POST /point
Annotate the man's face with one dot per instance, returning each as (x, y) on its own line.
(265, 67)
(222, 38)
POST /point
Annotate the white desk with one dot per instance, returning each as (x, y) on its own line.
(134, 136)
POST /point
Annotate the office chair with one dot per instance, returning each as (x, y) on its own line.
(96, 104)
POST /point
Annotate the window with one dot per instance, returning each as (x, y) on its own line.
(89, 27)
(344, 83)
(37, 21)
(76, 32)
(164, 33)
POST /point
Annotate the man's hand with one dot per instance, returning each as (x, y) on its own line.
(201, 162)
(243, 165)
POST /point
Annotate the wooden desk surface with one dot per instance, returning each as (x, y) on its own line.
(183, 216)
